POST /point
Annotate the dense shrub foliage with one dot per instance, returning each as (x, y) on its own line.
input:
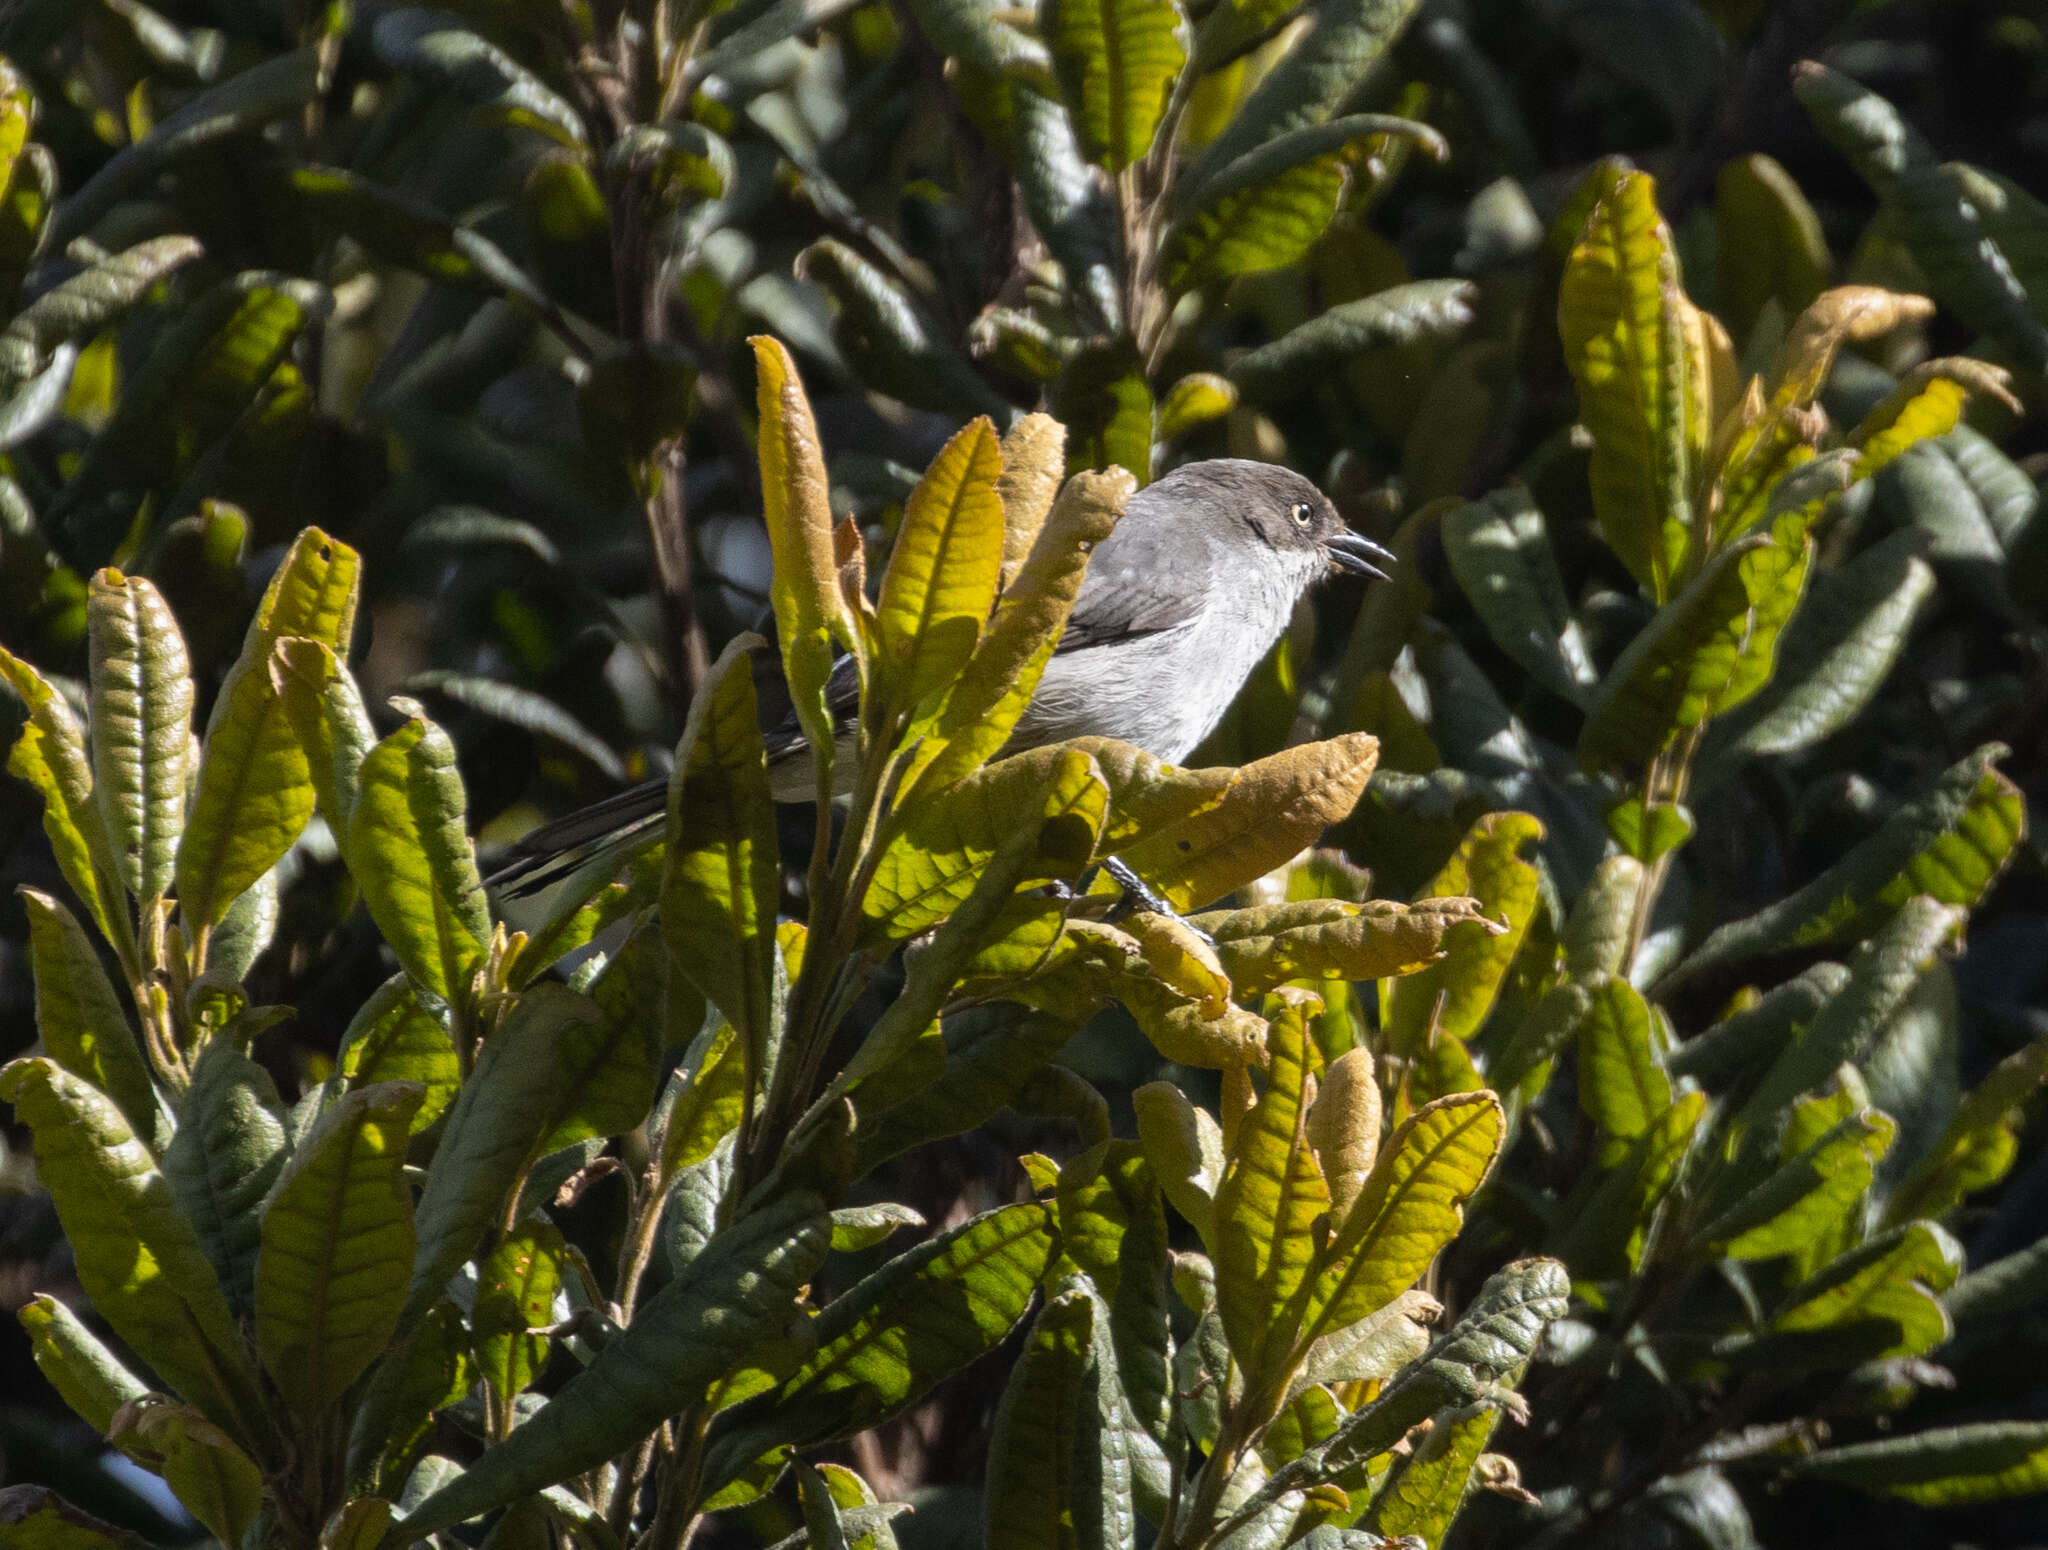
(1586, 1100)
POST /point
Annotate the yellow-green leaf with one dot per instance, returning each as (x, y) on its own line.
(215, 1480)
(92, 1379)
(943, 572)
(327, 717)
(515, 1294)
(410, 850)
(141, 727)
(998, 681)
(255, 789)
(1928, 402)
(722, 880)
(50, 755)
(810, 610)
(1621, 312)
(1117, 60)
(709, 1109)
(1898, 1279)
(1267, 1203)
(337, 1247)
(1488, 867)
(1622, 1086)
(138, 1257)
(1411, 1205)
(83, 1024)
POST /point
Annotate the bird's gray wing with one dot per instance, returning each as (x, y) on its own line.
(1146, 577)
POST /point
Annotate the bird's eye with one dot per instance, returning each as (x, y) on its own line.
(1303, 513)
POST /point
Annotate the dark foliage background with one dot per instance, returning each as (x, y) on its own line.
(481, 312)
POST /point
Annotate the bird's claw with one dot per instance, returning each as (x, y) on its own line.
(1139, 895)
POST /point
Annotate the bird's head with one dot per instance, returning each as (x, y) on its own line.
(1282, 510)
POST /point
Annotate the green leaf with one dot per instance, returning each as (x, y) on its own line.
(91, 1378)
(1195, 400)
(327, 717)
(141, 725)
(1113, 1237)
(1898, 1278)
(1423, 1491)
(1884, 973)
(1477, 954)
(607, 1069)
(1117, 60)
(1685, 665)
(885, 1341)
(281, 84)
(1769, 245)
(337, 1243)
(1033, 1497)
(1622, 1086)
(1412, 1204)
(215, 1480)
(138, 1257)
(1067, 202)
(393, 1038)
(1267, 208)
(1270, 1196)
(491, 1135)
(515, 1293)
(855, 1228)
(34, 1517)
(1103, 400)
(83, 1025)
(740, 1290)
(990, 1053)
(1940, 220)
(1332, 939)
(1948, 1467)
(93, 299)
(709, 1109)
(200, 384)
(1927, 403)
(1621, 312)
(50, 755)
(1949, 843)
(1401, 314)
(228, 1152)
(1837, 653)
(424, 1372)
(1809, 1193)
(888, 335)
(409, 849)
(721, 883)
(1184, 1147)
(944, 568)
(1499, 550)
(1981, 1141)
(1346, 38)
(441, 54)
(255, 789)
(397, 229)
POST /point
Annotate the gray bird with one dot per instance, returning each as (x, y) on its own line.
(1181, 602)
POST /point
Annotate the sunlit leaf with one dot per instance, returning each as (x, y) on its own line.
(1454, 995)
(1620, 310)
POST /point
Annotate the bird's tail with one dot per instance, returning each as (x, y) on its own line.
(612, 827)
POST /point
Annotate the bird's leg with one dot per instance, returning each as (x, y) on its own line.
(1138, 895)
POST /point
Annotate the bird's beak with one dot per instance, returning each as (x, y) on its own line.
(1353, 551)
